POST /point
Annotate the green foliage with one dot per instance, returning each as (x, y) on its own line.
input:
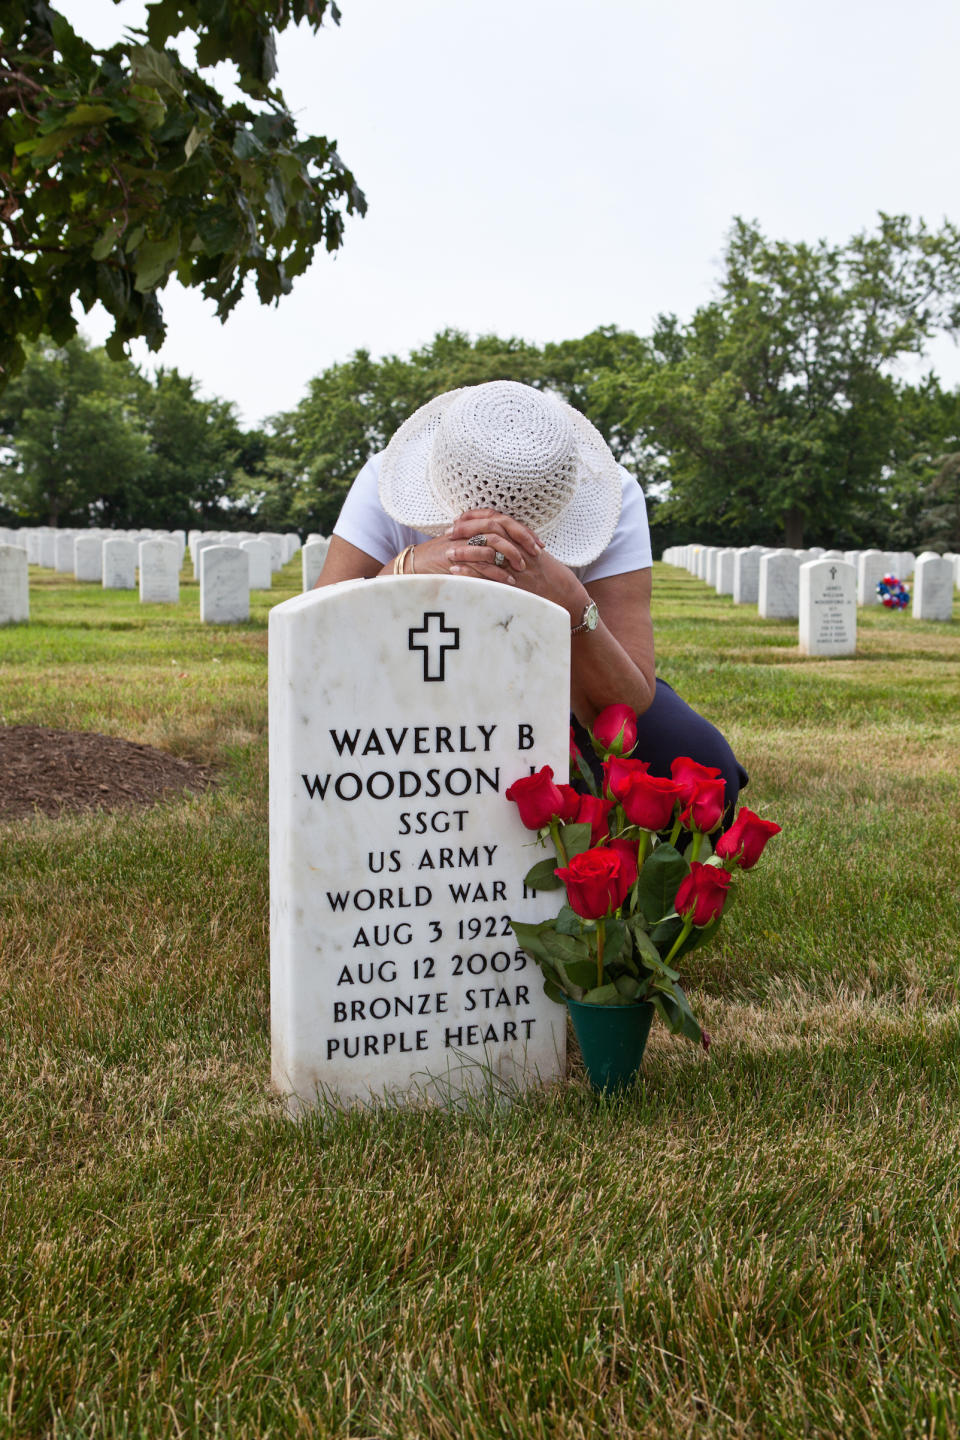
(90, 441)
(123, 167)
(776, 408)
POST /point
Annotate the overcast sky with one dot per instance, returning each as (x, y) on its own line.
(540, 167)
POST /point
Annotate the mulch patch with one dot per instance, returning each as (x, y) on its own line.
(51, 771)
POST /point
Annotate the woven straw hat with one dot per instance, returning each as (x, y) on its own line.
(512, 448)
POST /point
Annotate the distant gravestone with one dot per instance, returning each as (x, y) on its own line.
(724, 580)
(312, 557)
(119, 564)
(14, 585)
(710, 572)
(88, 558)
(933, 588)
(63, 553)
(159, 563)
(48, 550)
(871, 567)
(746, 575)
(828, 608)
(395, 860)
(261, 570)
(778, 593)
(224, 585)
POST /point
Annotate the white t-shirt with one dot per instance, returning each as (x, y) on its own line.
(363, 522)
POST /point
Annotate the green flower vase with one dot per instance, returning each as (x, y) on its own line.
(612, 1039)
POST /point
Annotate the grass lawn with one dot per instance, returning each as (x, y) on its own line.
(762, 1242)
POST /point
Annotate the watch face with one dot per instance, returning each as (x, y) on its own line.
(591, 616)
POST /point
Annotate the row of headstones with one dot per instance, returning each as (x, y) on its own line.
(228, 566)
(820, 588)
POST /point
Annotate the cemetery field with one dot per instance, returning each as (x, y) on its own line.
(764, 1241)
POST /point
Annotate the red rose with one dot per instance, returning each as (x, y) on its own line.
(704, 892)
(615, 772)
(571, 803)
(596, 882)
(615, 729)
(705, 810)
(628, 851)
(537, 798)
(745, 839)
(648, 801)
(595, 813)
(688, 775)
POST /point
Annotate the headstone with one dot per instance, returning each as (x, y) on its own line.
(395, 859)
(14, 585)
(278, 548)
(159, 562)
(778, 593)
(261, 570)
(828, 608)
(119, 564)
(312, 557)
(724, 580)
(88, 558)
(48, 549)
(201, 543)
(871, 568)
(933, 588)
(746, 575)
(710, 573)
(224, 585)
(63, 552)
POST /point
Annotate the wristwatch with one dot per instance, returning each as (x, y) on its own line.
(590, 620)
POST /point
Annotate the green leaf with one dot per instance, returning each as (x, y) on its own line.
(576, 839)
(568, 922)
(582, 973)
(105, 244)
(615, 941)
(152, 68)
(154, 260)
(194, 139)
(659, 881)
(628, 987)
(674, 1010)
(603, 995)
(541, 876)
(531, 937)
(586, 774)
(553, 991)
(88, 115)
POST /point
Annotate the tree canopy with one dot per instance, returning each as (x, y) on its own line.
(775, 409)
(122, 167)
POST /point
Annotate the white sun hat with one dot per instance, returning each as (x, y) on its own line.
(514, 449)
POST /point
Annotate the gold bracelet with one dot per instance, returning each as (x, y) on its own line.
(401, 560)
(413, 566)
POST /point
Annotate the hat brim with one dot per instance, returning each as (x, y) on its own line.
(577, 536)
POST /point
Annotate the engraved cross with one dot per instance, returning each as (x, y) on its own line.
(433, 645)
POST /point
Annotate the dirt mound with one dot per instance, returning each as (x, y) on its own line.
(51, 771)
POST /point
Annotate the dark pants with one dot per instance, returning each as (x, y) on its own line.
(668, 729)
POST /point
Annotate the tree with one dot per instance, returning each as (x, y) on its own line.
(72, 435)
(123, 167)
(352, 409)
(775, 408)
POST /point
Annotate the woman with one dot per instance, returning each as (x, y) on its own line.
(509, 485)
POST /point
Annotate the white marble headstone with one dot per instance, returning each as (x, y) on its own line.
(63, 552)
(828, 608)
(224, 585)
(778, 595)
(312, 556)
(159, 572)
(401, 710)
(724, 580)
(88, 558)
(119, 564)
(746, 575)
(872, 565)
(14, 585)
(933, 588)
(261, 570)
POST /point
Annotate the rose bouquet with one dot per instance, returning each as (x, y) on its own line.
(636, 903)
